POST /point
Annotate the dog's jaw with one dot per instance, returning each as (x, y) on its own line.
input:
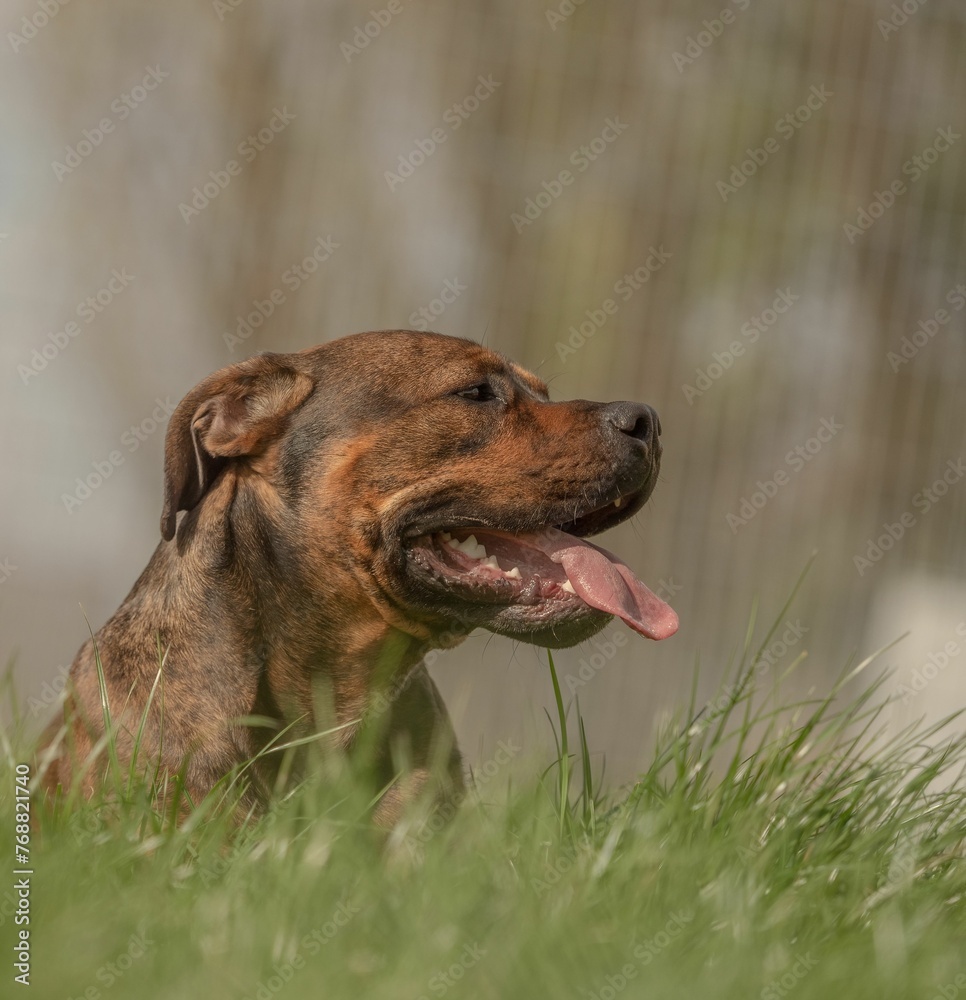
(546, 587)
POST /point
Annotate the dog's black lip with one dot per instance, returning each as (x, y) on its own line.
(606, 515)
(591, 521)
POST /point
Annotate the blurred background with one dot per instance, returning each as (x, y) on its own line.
(749, 214)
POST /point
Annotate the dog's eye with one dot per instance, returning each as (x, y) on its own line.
(481, 393)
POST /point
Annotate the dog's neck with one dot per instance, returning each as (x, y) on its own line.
(304, 645)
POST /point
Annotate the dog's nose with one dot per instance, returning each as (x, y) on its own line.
(636, 420)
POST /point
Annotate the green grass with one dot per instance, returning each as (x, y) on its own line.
(772, 849)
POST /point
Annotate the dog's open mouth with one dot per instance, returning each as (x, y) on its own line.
(547, 569)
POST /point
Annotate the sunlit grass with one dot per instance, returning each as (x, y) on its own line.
(771, 849)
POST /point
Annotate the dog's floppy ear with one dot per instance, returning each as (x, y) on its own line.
(237, 411)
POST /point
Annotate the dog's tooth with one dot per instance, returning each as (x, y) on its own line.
(453, 543)
(445, 535)
(491, 562)
(471, 547)
(618, 502)
(513, 573)
(569, 587)
(467, 546)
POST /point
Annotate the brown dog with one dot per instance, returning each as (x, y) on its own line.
(346, 509)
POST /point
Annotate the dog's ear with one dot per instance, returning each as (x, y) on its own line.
(237, 411)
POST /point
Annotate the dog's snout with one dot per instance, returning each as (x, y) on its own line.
(636, 420)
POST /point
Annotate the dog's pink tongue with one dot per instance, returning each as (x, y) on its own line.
(608, 584)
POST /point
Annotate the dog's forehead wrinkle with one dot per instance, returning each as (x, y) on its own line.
(407, 368)
(388, 348)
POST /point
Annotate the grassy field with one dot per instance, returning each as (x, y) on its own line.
(771, 850)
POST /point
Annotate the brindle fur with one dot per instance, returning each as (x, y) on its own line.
(296, 473)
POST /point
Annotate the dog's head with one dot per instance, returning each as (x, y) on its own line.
(427, 478)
